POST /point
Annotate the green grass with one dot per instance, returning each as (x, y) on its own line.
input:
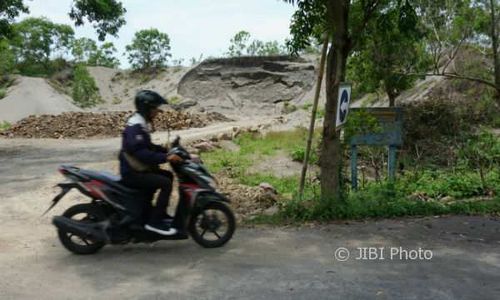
(375, 200)
(3, 93)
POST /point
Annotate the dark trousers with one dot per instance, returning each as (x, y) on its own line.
(150, 183)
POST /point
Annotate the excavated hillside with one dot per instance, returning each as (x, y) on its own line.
(248, 85)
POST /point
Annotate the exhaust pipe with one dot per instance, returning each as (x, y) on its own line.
(95, 231)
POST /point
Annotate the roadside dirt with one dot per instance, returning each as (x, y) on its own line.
(259, 263)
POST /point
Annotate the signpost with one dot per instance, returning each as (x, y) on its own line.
(343, 103)
(391, 123)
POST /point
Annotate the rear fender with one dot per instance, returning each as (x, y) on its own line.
(66, 187)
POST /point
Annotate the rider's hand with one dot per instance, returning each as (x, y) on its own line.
(174, 158)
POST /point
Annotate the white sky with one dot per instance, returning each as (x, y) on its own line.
(194, 26)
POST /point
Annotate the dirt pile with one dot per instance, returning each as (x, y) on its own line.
(248, 84)
(247, 201)
(81, 125)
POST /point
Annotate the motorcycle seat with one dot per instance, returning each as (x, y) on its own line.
(108, 178)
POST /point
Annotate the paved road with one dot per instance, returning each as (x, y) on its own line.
(259, 263)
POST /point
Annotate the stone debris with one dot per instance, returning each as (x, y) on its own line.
(81, 125)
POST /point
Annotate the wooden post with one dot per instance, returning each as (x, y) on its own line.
(313, 116)
(354, 167)
(391, 163)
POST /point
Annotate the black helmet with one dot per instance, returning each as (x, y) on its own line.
(146, 101)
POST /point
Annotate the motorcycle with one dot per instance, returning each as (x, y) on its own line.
(116, 214)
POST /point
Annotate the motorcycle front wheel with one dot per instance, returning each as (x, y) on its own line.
(213, 225)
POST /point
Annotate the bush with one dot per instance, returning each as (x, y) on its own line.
(85, 90)
(3, 93)
(4, 125)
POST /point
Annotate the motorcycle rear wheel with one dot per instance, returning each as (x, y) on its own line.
(207, 221)
(75, 243)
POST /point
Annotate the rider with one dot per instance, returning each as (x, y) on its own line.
(140, 160)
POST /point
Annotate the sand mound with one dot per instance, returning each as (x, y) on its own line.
(118, 87)
(33, 96)
(247, 85)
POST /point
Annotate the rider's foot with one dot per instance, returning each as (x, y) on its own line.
(161, 228)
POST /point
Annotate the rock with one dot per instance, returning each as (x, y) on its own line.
(224, 136)
(254, 129)
(184, 105)
(271, 210)
(446, 199)
(266, 187)
(229, 145)
(204, 146)
(81, 125)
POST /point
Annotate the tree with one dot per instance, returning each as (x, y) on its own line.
(150, 49)
(85, 91)
(345, 22)
(86, 51)
(82, 49)
(389, 50)
(7, 59)
(37, 40)
(455, 24)
(105, 56)
(238, 44)
(107, 16)
(9, 9)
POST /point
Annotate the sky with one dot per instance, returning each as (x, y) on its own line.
(195, 27)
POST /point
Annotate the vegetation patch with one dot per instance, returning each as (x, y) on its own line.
(419, 191)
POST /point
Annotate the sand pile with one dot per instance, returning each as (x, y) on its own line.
(33, 96)
(248, 85)
(81, 125)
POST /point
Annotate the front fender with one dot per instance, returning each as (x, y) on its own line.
(204, 198)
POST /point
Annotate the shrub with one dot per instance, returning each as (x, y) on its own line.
(4, 125)
(85, 90)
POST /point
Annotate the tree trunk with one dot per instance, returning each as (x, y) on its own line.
(331, 151)
(494, 44)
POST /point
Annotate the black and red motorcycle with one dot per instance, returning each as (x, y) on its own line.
(116, 214)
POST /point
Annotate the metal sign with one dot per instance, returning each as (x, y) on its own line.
(391, 123)
(343, 102)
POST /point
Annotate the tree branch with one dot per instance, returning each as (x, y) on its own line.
(454, 76)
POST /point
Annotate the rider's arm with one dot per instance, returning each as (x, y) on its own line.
(137, 142)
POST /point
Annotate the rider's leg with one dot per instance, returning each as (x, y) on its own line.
(153, 181)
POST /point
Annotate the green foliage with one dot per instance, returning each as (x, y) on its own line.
(4, 125)
(9, 10)
(150, 49)
(307, 25)
(386, 200)
(86, 51)
(360, 122)
(3, 93)
(299, 153)
(239, 46)
(482, 153)
(7, 58)
(36, 41)
(107, 16)
(174, 100)
(85, 90)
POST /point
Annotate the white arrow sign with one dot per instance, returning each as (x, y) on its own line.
(343, 104)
